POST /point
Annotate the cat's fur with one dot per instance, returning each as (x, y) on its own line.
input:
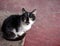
(15, 26)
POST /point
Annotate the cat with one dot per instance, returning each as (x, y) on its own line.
(14, 27)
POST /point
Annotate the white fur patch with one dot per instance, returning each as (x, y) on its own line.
(14, 31)
(23, 28)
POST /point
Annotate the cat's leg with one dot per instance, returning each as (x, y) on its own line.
(23, 41)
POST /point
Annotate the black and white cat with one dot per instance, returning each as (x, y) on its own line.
(15, 26)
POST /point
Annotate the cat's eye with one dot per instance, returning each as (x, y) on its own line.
(24, 20)
(31, 18)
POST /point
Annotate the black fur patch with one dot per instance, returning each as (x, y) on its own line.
(17, 39)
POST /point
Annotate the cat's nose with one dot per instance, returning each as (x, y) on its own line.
(27, 23)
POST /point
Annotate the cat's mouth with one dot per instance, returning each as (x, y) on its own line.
(27, 23)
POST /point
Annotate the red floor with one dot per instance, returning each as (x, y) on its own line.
(46, 30)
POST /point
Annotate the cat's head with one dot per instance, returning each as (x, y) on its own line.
(28, 17)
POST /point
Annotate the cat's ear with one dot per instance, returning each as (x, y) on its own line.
(23, 10)
(34, 11)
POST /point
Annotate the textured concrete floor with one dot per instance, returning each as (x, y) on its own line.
(46, 30)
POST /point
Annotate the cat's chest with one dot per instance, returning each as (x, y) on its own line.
(22, 30)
